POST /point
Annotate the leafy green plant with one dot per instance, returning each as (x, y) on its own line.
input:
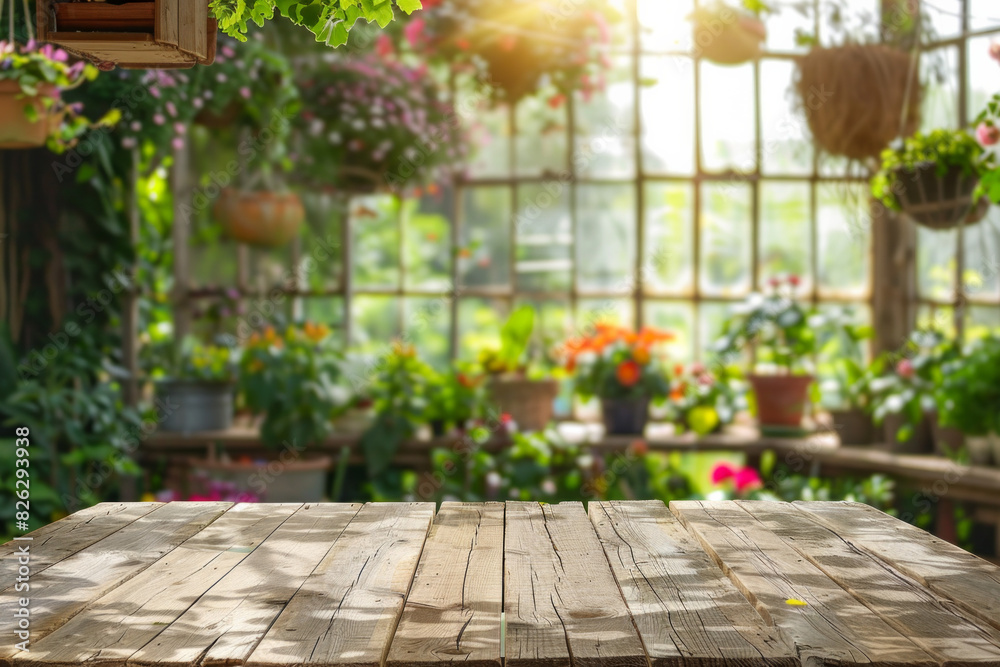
(329, 20)
(841, 368)
(515, 337)
(294, 380)
(703, 401)
(455, 397)
(946, 149)
(968, 393)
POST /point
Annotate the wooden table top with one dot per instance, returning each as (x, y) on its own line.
(394, 584)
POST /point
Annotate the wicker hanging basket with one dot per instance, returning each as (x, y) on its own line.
(937, 201)
(854, 97)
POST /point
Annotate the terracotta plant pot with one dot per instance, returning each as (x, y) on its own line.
(528, 402)
(267, 219)
(728, 38)
(781, 399)
(920, 442)
(625, 416)
(301, 480)
(853, 427)
(937, 202)
(16, 131)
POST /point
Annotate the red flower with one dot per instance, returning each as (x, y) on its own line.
(905, 369)
(746, 479)
(639, 447)
(628, 373)
(722, 472)
(794, 280)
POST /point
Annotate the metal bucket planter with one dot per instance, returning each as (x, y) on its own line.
(186, 406)
(294, 481)
(937, 201)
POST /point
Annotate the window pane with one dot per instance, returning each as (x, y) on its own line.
(725, 238)
(491, 129)
(936, 264)
(213, 260)
(711, 317)
(786, 147)
(668, 115)
(544, 237)
(843, 239)
(605, 237)
(982, 258)
(541, 136)
(614, 311)
(785, 233)
(984, 75)
(375, 243)
(320, 261)
(940, 100)
(664, 25)
(375, 322)
(479, 322)
(427, 240)
(484, 252)
(783, 25)
(604, 144)
(426, 326)
(677, 318)
(727, 137)
(270, 268)
(669, 238)
(325, 310)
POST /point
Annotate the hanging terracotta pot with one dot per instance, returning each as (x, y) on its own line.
(16, 130)
(266, 219)
(728, 37)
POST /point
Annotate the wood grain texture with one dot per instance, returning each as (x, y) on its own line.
(228, 621)
(686, 610)
(917, 613)
(66, 588)
(453, 610)
(562, 604)
(114, 627)
(65, 537)
(970, 582)
(830, 627)
(347, 610)
(167, 26)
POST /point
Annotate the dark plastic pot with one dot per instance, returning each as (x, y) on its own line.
(781, 399)
(920, 442)
(947, 439)
(188, 405)
(625, 416)
(853, 427)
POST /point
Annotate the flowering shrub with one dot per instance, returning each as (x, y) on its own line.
(741, 480)
(366, 123)
(517, 46)
(615, 362)
(702, 401)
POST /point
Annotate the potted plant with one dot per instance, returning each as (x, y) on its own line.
(295, 381)
(367, 123)
(194, 383)
(969, 398)
(932, 177)
(843, 382)
(455, 397)
(703, 401)
(619, 367)
(32, 112)
(517, 47)
(514, 387)
(729, 35)
(783, 339)
(268, 218)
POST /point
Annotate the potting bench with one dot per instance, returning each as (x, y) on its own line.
(529, 584)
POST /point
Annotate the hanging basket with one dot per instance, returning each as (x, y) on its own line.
(266, 219)
(16, 130)
(163, 34)
(854, 97)
(728, 38)
(933, 200)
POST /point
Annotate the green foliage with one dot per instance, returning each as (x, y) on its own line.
(944, 148)
(515, 337)
(968, 394)
(329, 20)
(704, 401)
(456, 396)
(161, 357)
(841, 368)
(295, 382)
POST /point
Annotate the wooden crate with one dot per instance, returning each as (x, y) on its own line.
(163, 34)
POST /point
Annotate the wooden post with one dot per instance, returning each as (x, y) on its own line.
(894, 284)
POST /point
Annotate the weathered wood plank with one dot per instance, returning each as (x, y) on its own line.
(453, 610)
(66, 588)
(917, 613)
(114, 627)
(970, 582)
(347, 610)
(561, 601)
(826, 624)
(227, 622)
(686, 610)
(63, 538)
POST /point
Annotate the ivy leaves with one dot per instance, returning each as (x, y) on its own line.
(330, 20)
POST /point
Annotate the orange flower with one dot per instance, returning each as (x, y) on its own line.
(628, 373)
(315, 332)
(641, 355)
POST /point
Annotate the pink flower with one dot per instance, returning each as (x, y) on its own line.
(220, 77)
(245, 92)
(722, 472)
(697, 368)
(988, 134)
(177, 143)
(228, 51)
(747, 479)
(794, 280)
(414, 31)
(383, 45)
(159, 119)
(129, 142)
(180, 128)
(171, 109)
(154, 91)
(995, 51)
(905, 369)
